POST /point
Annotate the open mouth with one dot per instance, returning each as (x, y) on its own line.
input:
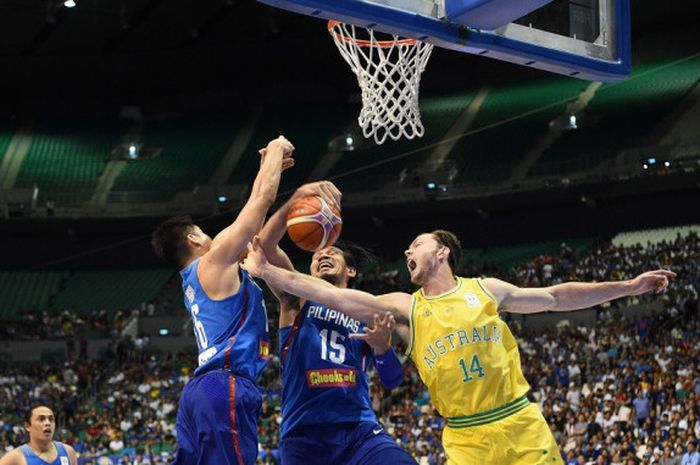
(48, 431)
(411, 264)
(325, 265)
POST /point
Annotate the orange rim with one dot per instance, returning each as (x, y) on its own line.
(366, 43)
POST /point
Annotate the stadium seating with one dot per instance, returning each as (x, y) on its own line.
(82, 291)
(507, 256)
(111, 289)
(310, 128)
(27, 290)
(488, 155)
(653, 236)
(191, 151)
(65, 158)
(620, 115)
(437, 114)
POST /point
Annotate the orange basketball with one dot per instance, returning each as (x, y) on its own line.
(312, 224)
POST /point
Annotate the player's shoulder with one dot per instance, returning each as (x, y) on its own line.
(71, 453)
(13, 457)
(68, 447)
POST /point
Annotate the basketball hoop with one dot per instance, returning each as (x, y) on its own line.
(388, 72)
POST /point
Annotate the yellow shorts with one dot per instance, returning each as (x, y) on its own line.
(523, 438)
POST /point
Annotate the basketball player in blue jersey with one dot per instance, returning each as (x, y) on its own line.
(218, 408)
(41, 449)
(326, 410)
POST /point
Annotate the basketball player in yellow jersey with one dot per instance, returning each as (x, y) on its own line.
(464, 352)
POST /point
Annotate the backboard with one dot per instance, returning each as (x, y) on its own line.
(586, 39)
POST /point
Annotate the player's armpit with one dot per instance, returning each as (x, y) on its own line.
(403, 330)
(290, 306)
(399, 305)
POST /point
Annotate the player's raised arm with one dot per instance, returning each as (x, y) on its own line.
(356, 304)
(216, 272)
(228, 245)
(573, 295)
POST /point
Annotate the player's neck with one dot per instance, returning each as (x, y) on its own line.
(443, 281)
(40, 447)
(189, 261)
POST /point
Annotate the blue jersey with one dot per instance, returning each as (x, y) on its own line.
(232, 333)
(323, 370)
(32, 459)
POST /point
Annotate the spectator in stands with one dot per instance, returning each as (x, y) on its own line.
(692, 456)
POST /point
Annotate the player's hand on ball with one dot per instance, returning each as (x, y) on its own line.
(256, 260)
(313, 223)
(324, 189)
(656, 281)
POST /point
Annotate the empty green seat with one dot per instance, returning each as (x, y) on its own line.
(111, 289)
(66, 158)
(620, 115)
(502, 134)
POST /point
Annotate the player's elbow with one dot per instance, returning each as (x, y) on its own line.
(551, 300)
(530, 301)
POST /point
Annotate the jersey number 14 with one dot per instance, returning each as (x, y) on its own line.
(474, 369)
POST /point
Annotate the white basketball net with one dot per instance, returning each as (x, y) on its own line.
(388, 72)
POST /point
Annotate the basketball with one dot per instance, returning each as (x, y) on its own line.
(312, 224)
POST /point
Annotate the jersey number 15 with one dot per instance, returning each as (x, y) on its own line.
(332, 349)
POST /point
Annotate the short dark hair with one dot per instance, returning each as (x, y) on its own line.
(355, 255)
(449, 240)
(169, 240)
(30, 412)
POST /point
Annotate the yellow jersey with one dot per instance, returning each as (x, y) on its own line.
(466, 355)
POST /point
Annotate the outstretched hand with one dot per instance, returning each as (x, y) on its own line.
(282, 144)
(324, 189)
(656, 281)
(378, 336)
(256, 260)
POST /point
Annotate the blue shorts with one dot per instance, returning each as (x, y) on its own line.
(217, 420)
(364, 443)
